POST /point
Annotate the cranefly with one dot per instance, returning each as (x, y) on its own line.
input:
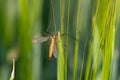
(52, 47)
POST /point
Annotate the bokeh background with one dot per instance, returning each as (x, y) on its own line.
(90, 47)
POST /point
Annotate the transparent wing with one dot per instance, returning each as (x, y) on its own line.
(55, 54)
(40, 39)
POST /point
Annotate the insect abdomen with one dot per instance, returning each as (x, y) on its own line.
(51, 48)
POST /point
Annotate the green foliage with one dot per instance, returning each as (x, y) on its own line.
(87, 55)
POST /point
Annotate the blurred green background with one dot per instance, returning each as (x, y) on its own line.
(89, 50)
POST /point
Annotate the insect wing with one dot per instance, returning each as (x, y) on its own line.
(55, 51)
(40, 39)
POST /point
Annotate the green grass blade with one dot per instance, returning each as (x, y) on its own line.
(78, 24)
(67, 39)
(60, 60)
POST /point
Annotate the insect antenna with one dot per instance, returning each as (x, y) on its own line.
(70, 36)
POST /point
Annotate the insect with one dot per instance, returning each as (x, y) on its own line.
(52, 47)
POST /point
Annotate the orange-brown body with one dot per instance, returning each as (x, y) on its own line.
(51, 47)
